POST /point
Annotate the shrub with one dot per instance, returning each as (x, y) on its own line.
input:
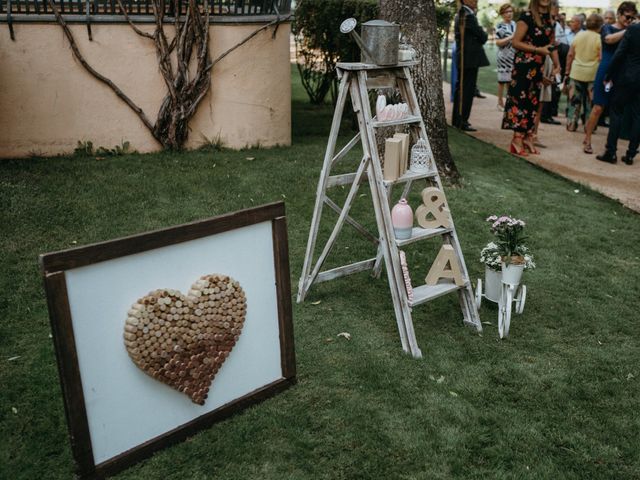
(320, 44)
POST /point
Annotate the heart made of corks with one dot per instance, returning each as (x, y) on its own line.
(182, 340)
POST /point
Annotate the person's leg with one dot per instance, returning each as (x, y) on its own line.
(616, 113)
(634, 138)
(456, 117)
(546, 113)
(555, 99)
(573, 108)
(468, 92)
(500, 90)
(588, 98)
(591, 124)
(455, 113)
(541, 107)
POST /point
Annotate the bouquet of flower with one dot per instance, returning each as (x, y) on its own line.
(490, 256)
(510, 239)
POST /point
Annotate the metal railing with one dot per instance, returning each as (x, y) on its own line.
(107, 8)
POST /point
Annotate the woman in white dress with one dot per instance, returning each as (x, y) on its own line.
(504, 34)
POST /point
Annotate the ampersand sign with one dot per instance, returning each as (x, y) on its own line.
(434, 212)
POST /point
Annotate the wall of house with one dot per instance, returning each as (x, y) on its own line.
(48, 102)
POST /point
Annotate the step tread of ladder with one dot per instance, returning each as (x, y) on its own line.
(409, 175)
(343, 179)
(401, 121)
(419, 233)
(370, 66)
(424, 293)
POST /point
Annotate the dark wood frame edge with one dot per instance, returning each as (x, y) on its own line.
(181, 433)
(69, 371)
(142, 242)
(283, 287)
(54, 263)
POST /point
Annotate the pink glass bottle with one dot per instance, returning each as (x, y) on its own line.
(402, 219)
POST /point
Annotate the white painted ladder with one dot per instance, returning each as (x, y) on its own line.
(357, 79)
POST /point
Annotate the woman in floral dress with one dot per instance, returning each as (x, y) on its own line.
(532, 41)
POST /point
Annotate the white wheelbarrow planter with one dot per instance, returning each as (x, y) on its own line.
(503, 288)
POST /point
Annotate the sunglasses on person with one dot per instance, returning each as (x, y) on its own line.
(629, 17)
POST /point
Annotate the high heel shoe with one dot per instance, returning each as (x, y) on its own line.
(518, 151)
(528, 145)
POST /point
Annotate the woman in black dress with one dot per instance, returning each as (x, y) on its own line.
(532, 41)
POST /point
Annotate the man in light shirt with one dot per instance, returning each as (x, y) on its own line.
(575, 25)
(561, 30)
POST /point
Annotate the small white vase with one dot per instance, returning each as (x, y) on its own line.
(512, 274)
(492, 284)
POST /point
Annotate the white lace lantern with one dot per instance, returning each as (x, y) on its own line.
(420, 159)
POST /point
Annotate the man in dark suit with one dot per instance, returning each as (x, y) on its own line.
(624, 73)
(470, 37)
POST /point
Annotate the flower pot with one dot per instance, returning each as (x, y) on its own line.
(512, 273)
(492, 284)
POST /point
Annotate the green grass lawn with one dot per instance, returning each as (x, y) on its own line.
(558, 399)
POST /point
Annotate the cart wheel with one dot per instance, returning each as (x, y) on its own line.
(521, 298)
(504, 310)
(479, 293)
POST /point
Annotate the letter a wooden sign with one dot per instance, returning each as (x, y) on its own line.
(446, 265)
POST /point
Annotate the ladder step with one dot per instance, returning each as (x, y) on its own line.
(402, 121)
(345, 270)
(424, 293)
(344, 179)
(418, 233)
(369, 66)
(409, 175)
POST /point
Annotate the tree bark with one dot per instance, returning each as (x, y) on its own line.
(417, 19)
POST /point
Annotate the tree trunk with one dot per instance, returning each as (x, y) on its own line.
(417, 19)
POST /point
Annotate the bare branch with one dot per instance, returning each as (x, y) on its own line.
(133, 25)
(249, 37)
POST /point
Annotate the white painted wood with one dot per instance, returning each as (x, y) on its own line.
(381, 81)
(356, 79)
(304, 283)
(360, 102)
(358, 226)
(341, 218)
(419, 233)
(401, 121)
(345, 270)
(411, 176)
(383, 214)
(338, 180)
(425, 293)
(465, 296)
(358, 66)
(342, 153)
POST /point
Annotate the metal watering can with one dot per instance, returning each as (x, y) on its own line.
(379, 43)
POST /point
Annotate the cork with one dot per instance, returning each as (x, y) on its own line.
(183, 340)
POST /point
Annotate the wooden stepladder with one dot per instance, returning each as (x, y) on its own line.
(356, 79)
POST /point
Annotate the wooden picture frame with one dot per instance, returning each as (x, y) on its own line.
(56, 267)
